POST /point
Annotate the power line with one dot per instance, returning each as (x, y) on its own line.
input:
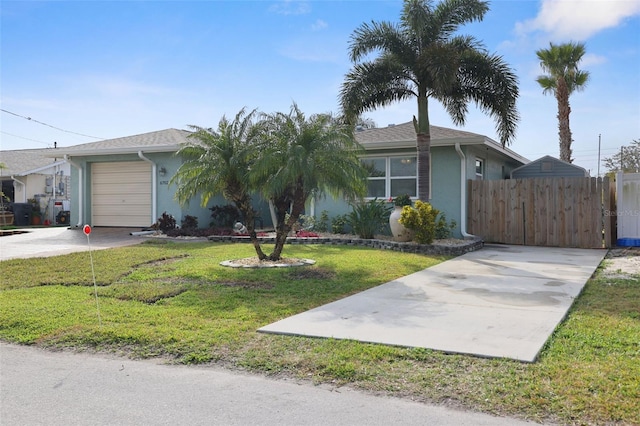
(48, 125)
(22, 137)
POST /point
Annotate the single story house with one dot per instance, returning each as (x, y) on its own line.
(548, 166)
(125, 181)
(36, 174)
(456, 156)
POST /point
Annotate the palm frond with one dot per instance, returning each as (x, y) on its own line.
(375, 84)
(491, 84)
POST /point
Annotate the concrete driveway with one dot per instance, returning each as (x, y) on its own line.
(501, 301)
(45, 242)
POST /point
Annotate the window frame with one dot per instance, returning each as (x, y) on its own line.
(387, 174)
(480, 176)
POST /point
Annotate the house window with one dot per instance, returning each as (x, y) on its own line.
(479, 169)
(391, 176)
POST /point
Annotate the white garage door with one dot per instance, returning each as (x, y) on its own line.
(121, 194)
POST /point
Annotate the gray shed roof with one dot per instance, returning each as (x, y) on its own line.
(19, 161)
(168, 140)
(404, 136)
(548, 166)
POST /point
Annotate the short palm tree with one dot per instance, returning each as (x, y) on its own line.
(560, 61)
(423, 58)
(303, 157)
(218, 162)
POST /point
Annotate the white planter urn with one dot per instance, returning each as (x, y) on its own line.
(400, 233)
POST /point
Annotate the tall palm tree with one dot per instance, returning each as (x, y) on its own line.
(218, 162)
(303, 157)
(423, 58)
(560, 61)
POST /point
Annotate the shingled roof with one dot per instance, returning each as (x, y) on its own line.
(404, 136)
(168, 140)
(395, 134)
(19, 161)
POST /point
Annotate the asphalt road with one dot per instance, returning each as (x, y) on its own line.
(38, 387)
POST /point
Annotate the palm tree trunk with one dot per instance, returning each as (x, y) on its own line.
(424, 165)
(245, 207)
(564, 131)
(282, 231)
(423, 143)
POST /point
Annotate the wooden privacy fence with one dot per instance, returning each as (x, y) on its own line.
(558, 212)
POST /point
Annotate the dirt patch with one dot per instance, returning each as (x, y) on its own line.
(622, 263)
(247, 284)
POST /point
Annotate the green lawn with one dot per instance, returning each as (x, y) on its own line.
(173, 300)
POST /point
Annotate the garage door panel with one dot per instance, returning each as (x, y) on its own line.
(142, 221)
(118, 191)
(122, 178)
(121, 194)
(112, 210)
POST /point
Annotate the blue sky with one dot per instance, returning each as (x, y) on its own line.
(120, 68)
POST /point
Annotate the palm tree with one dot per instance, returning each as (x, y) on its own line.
(560, 61)
(218, 162)
(423, 58)
(303, 157)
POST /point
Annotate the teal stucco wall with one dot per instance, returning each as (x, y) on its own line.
(165, 202)
(445, 184)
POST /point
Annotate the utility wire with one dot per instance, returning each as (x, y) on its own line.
(48, 125)
(22, 137)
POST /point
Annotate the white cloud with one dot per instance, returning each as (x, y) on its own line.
(579, 19)
(290, 7)
(319, 25)
(591, 59)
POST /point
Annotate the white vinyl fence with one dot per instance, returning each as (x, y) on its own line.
(628, 207)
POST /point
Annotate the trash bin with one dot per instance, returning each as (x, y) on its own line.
(22, 214)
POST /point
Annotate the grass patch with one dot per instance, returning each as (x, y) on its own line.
(175, 300)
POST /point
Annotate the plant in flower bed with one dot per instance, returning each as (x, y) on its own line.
(422, 220)
(166, 222)
(189, 222)
(401, 200)
(369, 218)
(306, 234)
(197, 232)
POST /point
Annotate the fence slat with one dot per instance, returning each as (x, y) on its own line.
(562, 212)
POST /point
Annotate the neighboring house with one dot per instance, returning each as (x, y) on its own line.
(548, 166)
(40, 174)
(456, 156)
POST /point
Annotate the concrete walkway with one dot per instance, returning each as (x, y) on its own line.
(54, 241)
(501, 301)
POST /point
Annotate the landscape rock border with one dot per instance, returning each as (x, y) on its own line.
(409, 247)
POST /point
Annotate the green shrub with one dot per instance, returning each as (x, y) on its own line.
(368, 219)
(402, 200)
(422, 220)
(322, 224)
(444, 228)
(307, 222)
(189, 222)
(165, 223)
(224, 216)
(338, 223)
